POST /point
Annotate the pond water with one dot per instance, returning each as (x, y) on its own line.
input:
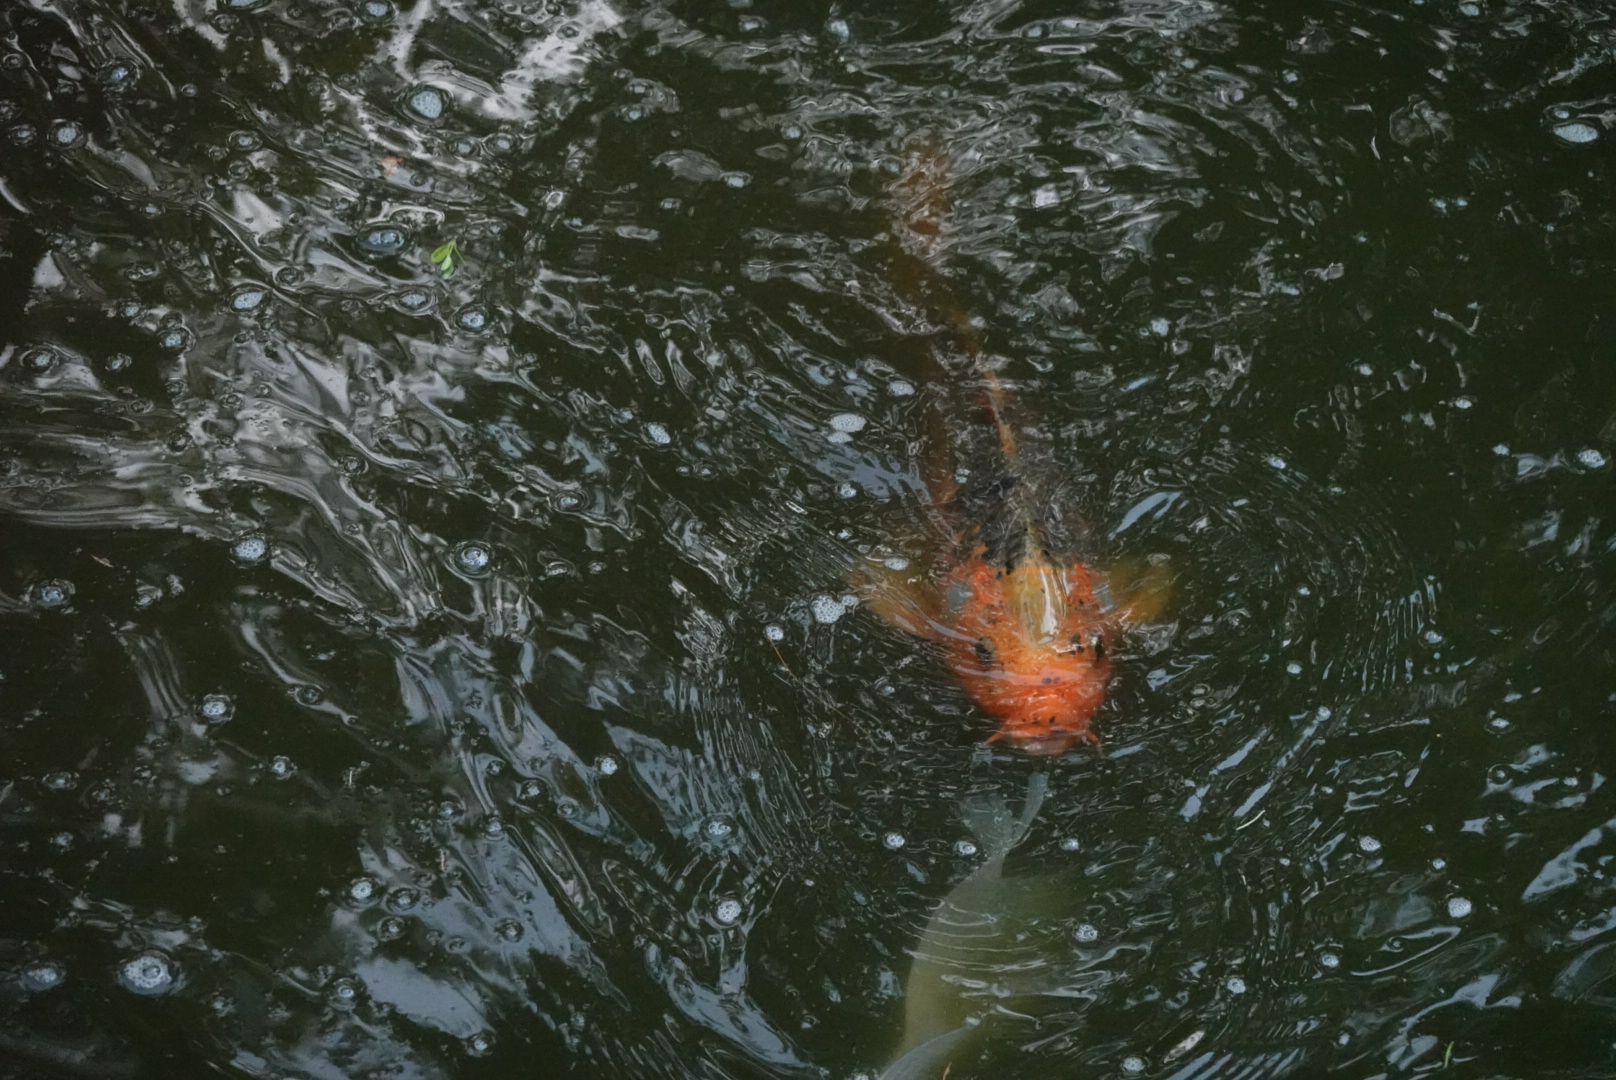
(437, 435)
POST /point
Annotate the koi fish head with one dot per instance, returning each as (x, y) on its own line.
(1030, 645)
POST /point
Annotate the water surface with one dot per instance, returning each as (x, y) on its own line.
(415, 673)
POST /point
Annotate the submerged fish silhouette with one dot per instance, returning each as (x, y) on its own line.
(1026, 625)
(968, 924)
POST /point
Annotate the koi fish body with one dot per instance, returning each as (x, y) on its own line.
(1027, 634)
(1026, 627)
(1030, 644)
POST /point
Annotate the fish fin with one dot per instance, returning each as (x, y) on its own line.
(989, 819)
(1037, 788)
(927, 1060)
(1140, 591)
(904, 598)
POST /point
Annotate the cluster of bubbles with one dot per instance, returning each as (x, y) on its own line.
(217, 708)
(52, 595)
(250, 550)
(148, 973)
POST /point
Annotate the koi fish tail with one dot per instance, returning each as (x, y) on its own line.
(925, 205)
(995, 828)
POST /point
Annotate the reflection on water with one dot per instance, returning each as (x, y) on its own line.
(437, 667)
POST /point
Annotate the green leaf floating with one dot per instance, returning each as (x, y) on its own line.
(445, 258)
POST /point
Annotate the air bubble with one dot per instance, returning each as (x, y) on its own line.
(1576, 132)
(118, 74)
(1086, 933)
(827, 609)
(148, 973)
(403, 898)
(473, 320)
(51, 595)
(426, 103)
(249, 550)
(65, 134)
(174, 339)
(892, 841)
(344, 993)
(217, 708)
(383, 240)
(848, 423)
(412, 301)
(362, 890)
(247, 299)
(1459, 908)
(60, 780)
(473, 558)
(728, 912)
(39, 361)
(43, 975)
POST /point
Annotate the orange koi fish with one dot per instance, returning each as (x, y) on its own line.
(1025, 625)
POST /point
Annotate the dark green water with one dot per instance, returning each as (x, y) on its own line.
(1313, 300)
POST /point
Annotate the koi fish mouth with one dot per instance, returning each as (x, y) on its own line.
(1044, 744)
